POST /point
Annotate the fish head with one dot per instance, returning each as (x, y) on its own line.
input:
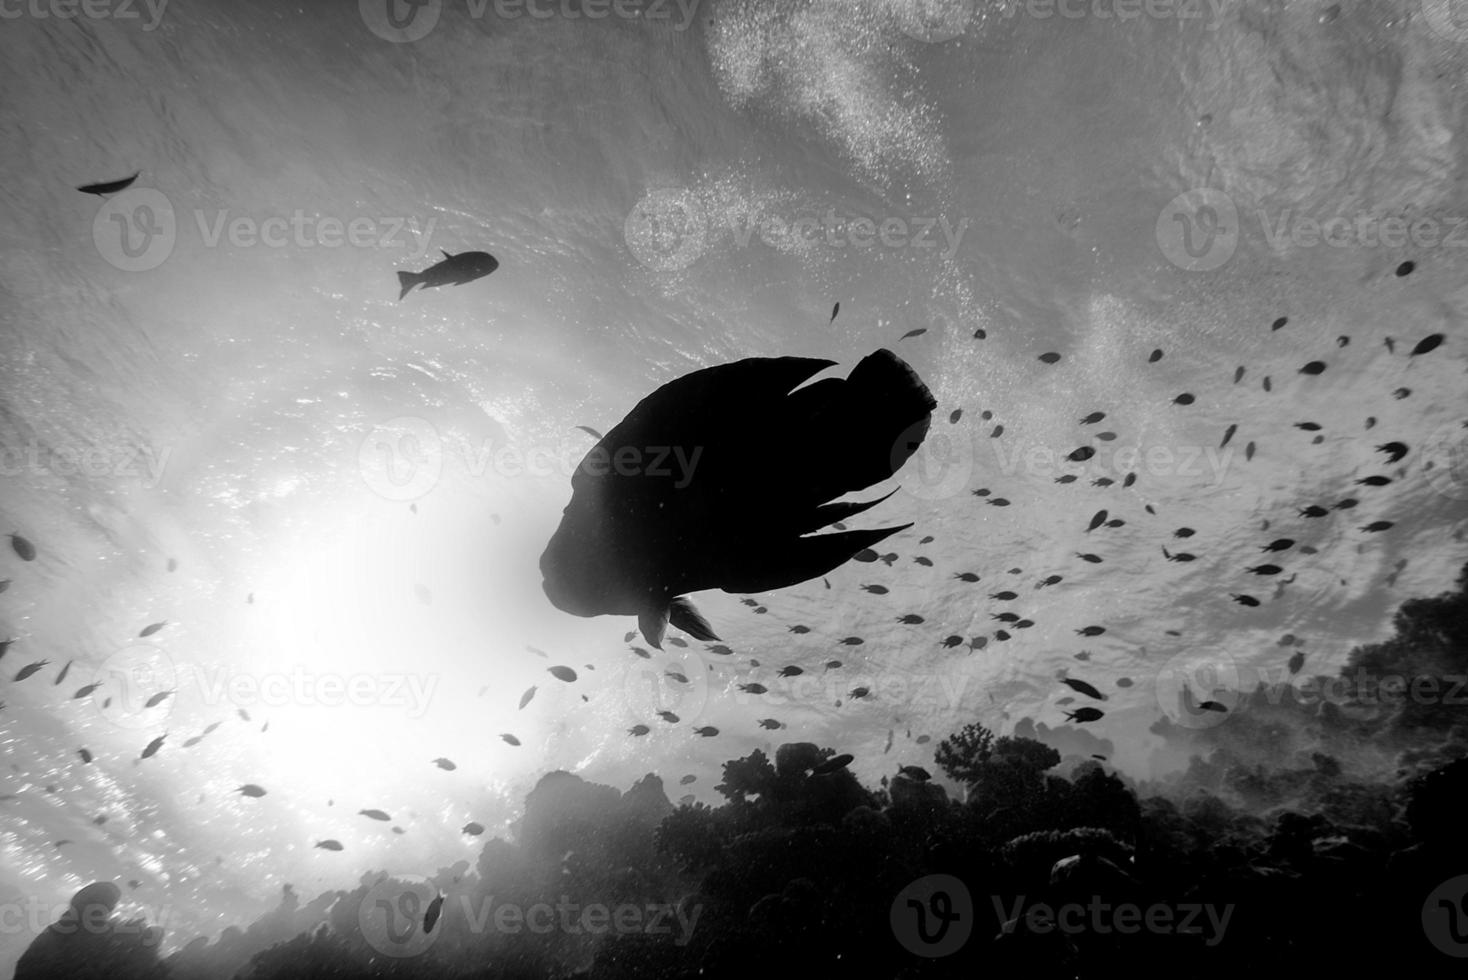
(478, 263)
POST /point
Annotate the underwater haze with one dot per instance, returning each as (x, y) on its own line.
(217, 415)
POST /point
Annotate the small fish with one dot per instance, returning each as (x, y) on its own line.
(454, 270)
(30, 669)
(753, 688)
(444, 764)
(638, 730)
(911, 619)
(1427, 344)
(61, 676)
(834, 310)
(1123, 682)
(152, 628)
(1093, 418)
(791, 671)
(997, 432)
(852, 641)
(1083, 688)
(1375, 526)
(152, 747)
(251, 790)
(1238, 374)
(430, 916)
(771, 723)
(1401, 393)
(1155, 356)
(1212, 706)
(992, 502)
(1131, 478)
(858, 692)
(954, 416)
(1249, 451)
(1266, 385)
(1082, 454)
(1084, 714)
(1280, 544)
(86, 756)
(375, 815)
(329, 845)
(1394, 451)
(1086, 556)
(1308, 426)
(706, 731)
(1347, 504)
(675, 675)
(1228, 434)
(914, 333)
(1265, 569)
(157, 699)
(1184, 399)
(562, 673)
(832, 664)
(833, 764)
(527, 696)
(23, 548)
(472, 829)
(876, 589)
(1104, 481)
(1001, 635)
(1050, 358)
(966, 577)
(1296, 661)
(1314, 510)
(1067, 478)
(85, 690)
(1091, 630)
(668, 717)
(1096, 521)
(1313, 368)
(109, 186)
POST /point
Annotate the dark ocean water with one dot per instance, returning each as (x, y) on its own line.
(214, 411)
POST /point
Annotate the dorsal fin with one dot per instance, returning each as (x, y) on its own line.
(445, 253)
(654, 623)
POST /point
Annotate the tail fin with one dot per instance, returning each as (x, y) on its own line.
(407, 280)
(690, 620)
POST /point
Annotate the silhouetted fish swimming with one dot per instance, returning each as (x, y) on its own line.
(454, 270)
(718, 478)
(109, 187)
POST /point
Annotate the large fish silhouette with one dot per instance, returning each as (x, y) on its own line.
(717, 479)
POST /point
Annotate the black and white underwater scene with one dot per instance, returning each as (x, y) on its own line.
(658, 489)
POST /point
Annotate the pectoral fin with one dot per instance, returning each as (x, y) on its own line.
(690, 620)
(653, 625)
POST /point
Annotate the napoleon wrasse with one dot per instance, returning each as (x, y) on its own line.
(718, 478)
